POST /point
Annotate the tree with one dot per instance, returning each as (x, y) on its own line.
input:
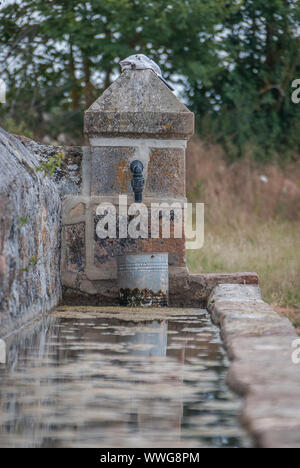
(248, 103)
(59, 55)
(235, 61)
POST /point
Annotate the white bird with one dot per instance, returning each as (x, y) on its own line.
(142, 62)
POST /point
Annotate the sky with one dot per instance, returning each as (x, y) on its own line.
(6, 2)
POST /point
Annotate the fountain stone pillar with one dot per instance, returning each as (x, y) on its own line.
(137, 118)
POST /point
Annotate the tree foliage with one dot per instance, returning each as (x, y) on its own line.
(233, 60)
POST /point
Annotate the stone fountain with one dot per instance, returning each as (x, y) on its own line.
(137, 124)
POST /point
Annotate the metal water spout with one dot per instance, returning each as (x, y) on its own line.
(138, 181)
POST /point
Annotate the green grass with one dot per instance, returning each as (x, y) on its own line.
(272, 249)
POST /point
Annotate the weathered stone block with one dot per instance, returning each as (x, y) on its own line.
(75, 247)
(107, 250)
(259, 342)
(110, 170)
(67, 178)
(78, 210)
(92, 293)
(194, 290)
(138, 104)
(166, 171)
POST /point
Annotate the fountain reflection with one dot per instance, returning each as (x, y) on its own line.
(105, 382)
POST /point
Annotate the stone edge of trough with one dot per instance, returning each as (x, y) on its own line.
(259, 343)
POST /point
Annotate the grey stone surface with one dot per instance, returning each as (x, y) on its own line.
(30, 225)
(259, 342)
(75, 247)
(193, 290)
(68, 178)
(139, 104)
(166, 171)
(110, 170)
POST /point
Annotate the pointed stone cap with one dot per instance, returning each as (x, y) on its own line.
(138, 104)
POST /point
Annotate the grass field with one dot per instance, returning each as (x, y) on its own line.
(272, 249)
(252, 221)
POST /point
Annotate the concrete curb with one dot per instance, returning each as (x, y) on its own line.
(260, 344)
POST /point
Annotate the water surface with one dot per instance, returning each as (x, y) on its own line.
(92, 379)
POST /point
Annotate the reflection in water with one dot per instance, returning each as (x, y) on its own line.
(105, 382)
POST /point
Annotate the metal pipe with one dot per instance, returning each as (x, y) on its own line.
(138, 181)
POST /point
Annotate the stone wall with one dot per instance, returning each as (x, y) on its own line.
(30, 213)
(67, 178)
(260, 345)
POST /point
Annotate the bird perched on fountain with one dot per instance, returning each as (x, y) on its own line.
(142, 62)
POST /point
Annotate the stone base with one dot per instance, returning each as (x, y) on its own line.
(194, 290)
(105, 297)
(185, 290)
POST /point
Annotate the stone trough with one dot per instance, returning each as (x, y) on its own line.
(50, 253)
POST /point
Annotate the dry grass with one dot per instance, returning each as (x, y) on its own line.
(271, 249)
(264, 192)
(250, 225)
